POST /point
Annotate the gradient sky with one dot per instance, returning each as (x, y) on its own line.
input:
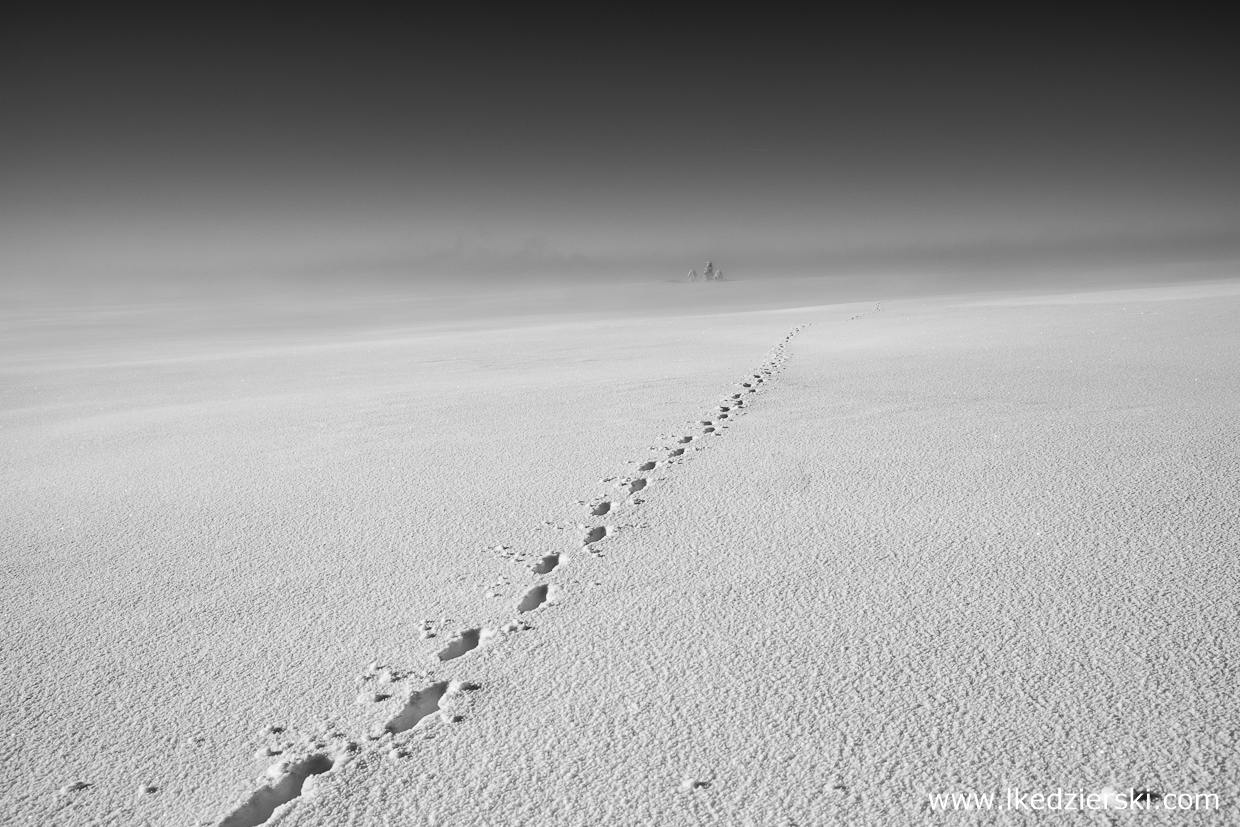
(414, 148)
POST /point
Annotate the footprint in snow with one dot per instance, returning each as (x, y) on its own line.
(419, 706)
(465, 642)
(546, 565)
(534, 598)
(286, 781)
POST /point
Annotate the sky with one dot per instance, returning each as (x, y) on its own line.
(421, 151)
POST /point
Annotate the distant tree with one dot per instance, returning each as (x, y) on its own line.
(709, 273)
(718, 275)
(693, 275)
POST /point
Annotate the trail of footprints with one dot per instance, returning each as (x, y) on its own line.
(444, 702)
(877, 308)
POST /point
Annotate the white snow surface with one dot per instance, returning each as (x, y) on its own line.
(949, 545)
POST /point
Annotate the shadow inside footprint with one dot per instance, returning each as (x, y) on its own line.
(646, 466)
(601, 509)
(593, 535)
(281, 790)
(546, 565)
(534, 598)
(466, 641)
(420, 705)
(677, 452)
(636, 485)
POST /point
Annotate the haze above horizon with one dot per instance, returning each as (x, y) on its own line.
(173, 150)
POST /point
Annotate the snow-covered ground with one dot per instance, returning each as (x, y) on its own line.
(950, 545)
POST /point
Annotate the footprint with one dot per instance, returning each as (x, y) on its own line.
(534, 598)
(636, 485)
(595, 534)
(464, 642)
(285, 785)
(646, 466)
(708, 430)
(685, 440)
(601, 509)
(706, 422)
(420, 704)
(546, 565)
(677, 452)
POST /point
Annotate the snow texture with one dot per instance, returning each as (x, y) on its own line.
(801, 567)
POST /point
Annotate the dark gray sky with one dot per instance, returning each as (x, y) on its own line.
(416, 148)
